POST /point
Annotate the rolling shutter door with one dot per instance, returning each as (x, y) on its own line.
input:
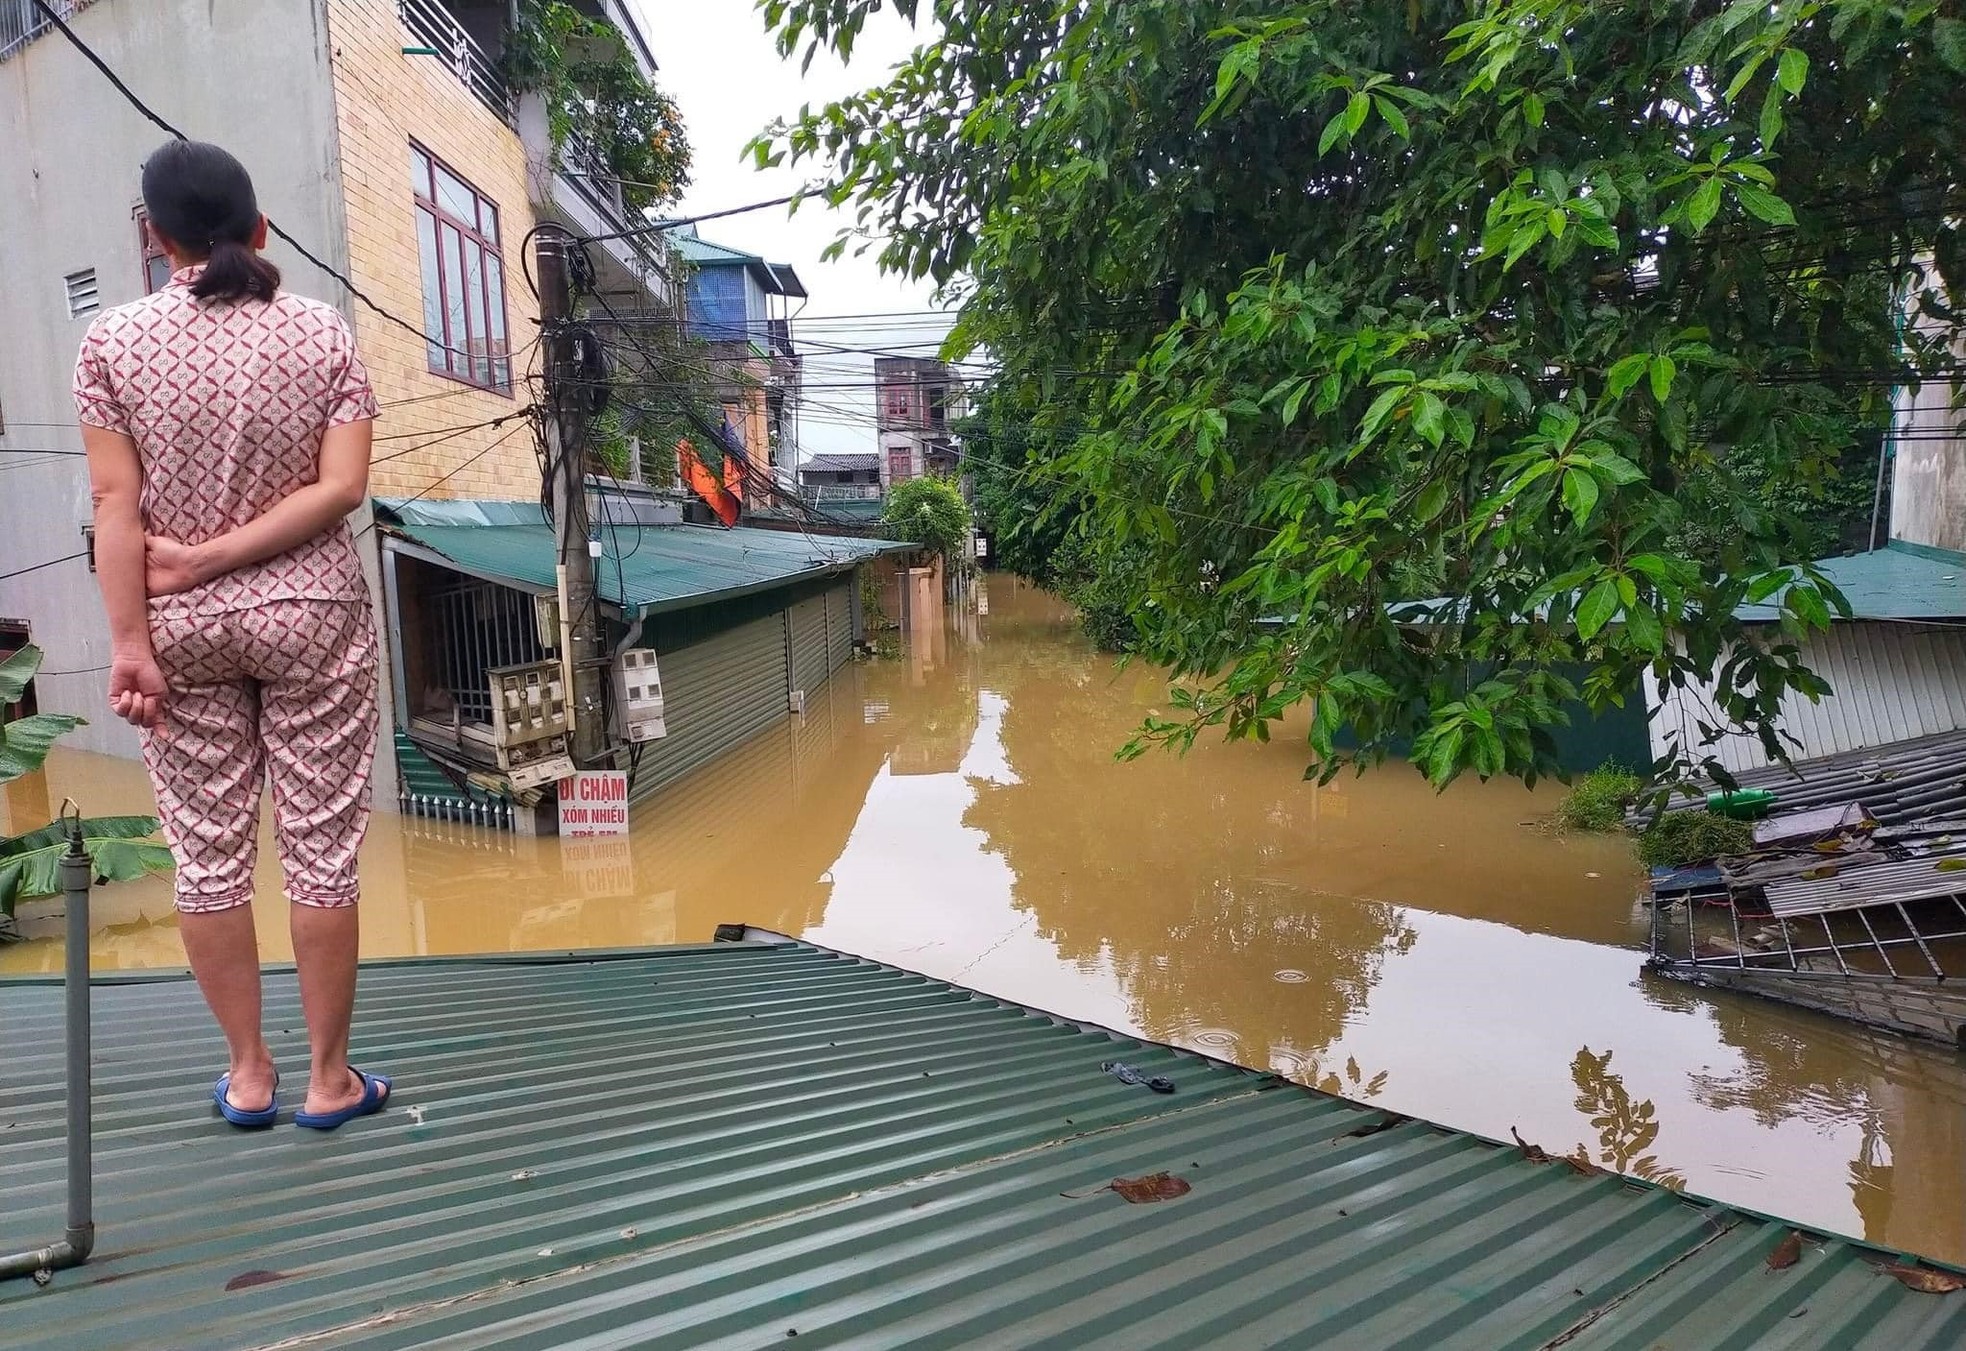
(810, 663)
(719, 693)
(839, 624)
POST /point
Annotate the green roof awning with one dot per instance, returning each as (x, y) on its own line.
(643, 570)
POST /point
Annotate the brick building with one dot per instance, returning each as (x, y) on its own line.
(382, 136)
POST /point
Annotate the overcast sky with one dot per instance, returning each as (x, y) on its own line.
(725, 73)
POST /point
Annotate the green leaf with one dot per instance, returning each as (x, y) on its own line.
(1662, 371)
(93, 828)
(1394, 117)
(1626, 372)
(1764, 205)
(1432, 501)
(1609, 464)
(1806, 604)
(1771, 119)
(1357, 109)
(1334, 132)
(1643, 629)
(1532, 109)
(1381, 411)
(1580, 492)
(1597, 609)
(16, 671)
(1429, 417)
(25, 742)
(1793, 72)
(1704, 205)
(1949, 41)
(1525, 239)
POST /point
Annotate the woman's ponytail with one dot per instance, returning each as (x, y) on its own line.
(200, 197)
(236, 272)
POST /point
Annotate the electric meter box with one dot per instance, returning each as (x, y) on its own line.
(529, 722)
(638, 708)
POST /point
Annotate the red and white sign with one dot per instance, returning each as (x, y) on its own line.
(594, 802)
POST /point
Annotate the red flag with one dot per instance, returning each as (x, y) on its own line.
(706, 484)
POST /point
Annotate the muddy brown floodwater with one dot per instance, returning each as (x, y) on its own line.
(959, 812)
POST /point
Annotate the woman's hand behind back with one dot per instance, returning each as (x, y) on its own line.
(170, 567)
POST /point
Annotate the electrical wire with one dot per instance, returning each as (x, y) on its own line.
(52, 562)
(61, 25)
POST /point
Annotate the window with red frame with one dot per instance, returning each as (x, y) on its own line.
(156, 263)
(463, 276)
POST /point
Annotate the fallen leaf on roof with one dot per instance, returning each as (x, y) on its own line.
(1952, 865)
(1786, 1253)
(1926, 1280)
(1384, 1123)
(1580, 1162)
(1152, 1187)
(247, 1279)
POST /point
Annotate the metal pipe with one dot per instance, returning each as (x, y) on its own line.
(80, 1235)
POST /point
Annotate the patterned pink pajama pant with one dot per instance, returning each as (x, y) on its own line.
(286, 688)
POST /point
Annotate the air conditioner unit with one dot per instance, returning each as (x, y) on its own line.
(639, 713)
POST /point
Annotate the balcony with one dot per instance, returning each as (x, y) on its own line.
(438, 30)
(21, 22)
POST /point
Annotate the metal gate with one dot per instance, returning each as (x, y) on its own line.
(719, 693)
(810, 666)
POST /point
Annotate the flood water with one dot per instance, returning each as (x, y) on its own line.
(958, 812)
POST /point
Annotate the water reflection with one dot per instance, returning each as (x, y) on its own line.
(958, 811)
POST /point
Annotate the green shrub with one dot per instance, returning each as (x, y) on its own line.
(1679, 839)
(1600, 798)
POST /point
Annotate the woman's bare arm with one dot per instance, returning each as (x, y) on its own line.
(304, 514)
(136, 688)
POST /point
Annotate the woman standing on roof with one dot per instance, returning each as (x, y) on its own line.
(228, 426)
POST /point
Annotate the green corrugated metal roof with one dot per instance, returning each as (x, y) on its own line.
(1899, 582)
(720, 1147)
(659, 568)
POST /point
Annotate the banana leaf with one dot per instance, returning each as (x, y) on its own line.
(24, 743)
(118, 852)
(16, 671)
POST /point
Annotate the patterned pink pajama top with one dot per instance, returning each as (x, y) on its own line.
(227, 405)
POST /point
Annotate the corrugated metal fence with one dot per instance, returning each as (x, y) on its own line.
(1890, 682)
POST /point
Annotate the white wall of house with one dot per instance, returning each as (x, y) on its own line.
(1928, 475)
(251, 75)
(1889, 682)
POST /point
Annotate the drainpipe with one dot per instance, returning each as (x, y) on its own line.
(80, 1236)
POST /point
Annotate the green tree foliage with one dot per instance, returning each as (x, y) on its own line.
(929, 512)
(594, 92)
(29, 864)
(1347, 304)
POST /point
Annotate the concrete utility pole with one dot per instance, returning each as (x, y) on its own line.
(582, 656)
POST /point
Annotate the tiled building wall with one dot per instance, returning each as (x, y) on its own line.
(383, 100)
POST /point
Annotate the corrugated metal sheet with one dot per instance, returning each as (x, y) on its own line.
(1896, 783)
(806, 624)
(646, 569)
(1890, 682)
(839, 624)
(718, 694)
(725, 1148)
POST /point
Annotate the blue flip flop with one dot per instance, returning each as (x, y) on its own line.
(375, 1092)
(239, 1116)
